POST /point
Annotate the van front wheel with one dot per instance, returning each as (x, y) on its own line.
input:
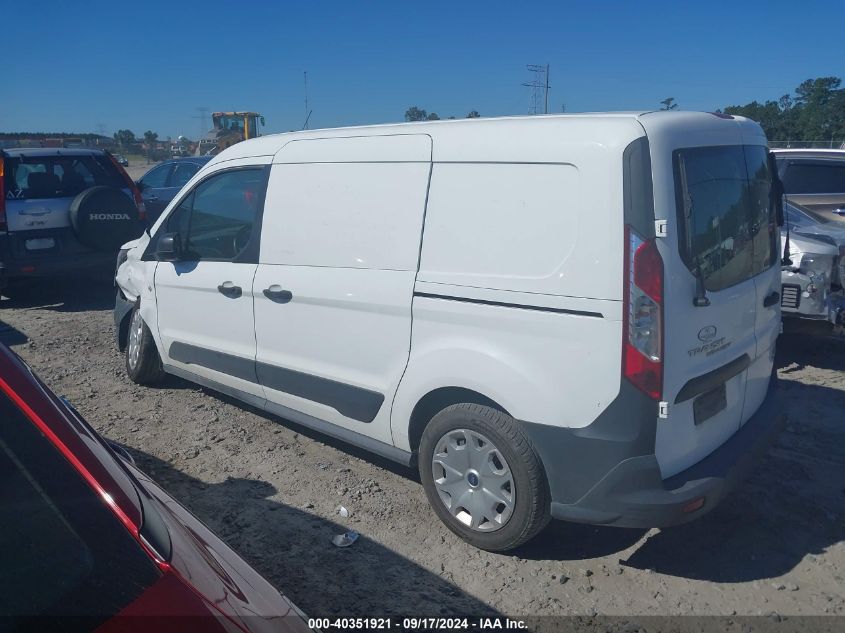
(483, 477)
(143, 364)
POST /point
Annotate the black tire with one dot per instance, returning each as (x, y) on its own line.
(145, 368)
(104, 218)
(531, 508)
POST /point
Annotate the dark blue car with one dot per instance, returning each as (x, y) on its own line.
(161, 184)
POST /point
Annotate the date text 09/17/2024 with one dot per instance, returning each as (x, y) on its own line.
(416, 623)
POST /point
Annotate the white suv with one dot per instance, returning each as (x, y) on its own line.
(565, 316)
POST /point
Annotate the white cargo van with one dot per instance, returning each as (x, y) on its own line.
(563, 316)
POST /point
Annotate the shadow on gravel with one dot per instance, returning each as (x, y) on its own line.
(11, 336)
(71, 294)
(576, 541)
(823, 352)
(292, 548)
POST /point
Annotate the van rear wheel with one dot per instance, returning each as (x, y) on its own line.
(483, 477)
(143, 363)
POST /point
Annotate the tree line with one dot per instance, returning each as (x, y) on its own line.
(418, 114)
(814, 112)
(127, 137)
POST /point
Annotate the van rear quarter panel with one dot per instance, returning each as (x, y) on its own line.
(529, 207)
(532, 218)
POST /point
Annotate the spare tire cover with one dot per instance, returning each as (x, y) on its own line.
(104, 218)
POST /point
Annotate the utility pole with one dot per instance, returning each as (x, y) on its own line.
(546, 106)
(203, 119)
(307, 111)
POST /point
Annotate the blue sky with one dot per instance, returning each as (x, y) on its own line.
(149, 64)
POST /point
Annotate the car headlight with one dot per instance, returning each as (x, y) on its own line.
(122, 255)
(819, 268)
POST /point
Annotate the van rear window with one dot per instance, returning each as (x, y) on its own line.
(728, 232)
(58, 176)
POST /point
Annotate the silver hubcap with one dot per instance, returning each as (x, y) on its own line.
(136, 327)
(473, 480)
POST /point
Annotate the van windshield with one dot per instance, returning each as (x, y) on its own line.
(728, 232)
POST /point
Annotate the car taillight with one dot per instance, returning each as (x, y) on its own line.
(642, 353)
(2, 195)
(136, 193)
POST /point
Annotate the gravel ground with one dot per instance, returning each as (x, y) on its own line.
(271, 489)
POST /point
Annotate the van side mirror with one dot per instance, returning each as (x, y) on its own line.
(169, 248)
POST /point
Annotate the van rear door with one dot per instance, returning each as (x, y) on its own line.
(723, 241)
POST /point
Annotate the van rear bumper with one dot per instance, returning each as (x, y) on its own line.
(633, 494)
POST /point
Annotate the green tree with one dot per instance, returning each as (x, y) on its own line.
(432, 116)
(415, 114)
(150, 138)
(473, 115)
(821, 108)
(669, 104)
(124, 138)
(815, 113)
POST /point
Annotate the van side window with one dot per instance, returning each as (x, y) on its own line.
(216, 221)
(177, 221)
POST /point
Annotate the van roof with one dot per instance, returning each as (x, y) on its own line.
(594, 122)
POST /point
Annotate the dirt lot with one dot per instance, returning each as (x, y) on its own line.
(271, 489)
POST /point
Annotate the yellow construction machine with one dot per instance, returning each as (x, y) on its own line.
(229, 128)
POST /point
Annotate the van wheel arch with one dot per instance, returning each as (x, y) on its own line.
(435, 401)
(123, 326)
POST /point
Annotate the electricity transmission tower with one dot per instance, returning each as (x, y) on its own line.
(539, 99)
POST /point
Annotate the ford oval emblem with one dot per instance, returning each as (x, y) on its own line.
(707, 333)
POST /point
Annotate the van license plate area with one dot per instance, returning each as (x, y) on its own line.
(709, 404)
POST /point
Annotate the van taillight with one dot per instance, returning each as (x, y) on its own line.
(642, 344)
(2, 195)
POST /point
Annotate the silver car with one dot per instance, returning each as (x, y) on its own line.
(812, 285)
(63, 211)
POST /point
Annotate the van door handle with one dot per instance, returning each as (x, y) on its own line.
(228, 289)
(275, 293)
(772, 299)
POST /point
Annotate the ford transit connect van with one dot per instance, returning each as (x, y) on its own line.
(567, 316)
